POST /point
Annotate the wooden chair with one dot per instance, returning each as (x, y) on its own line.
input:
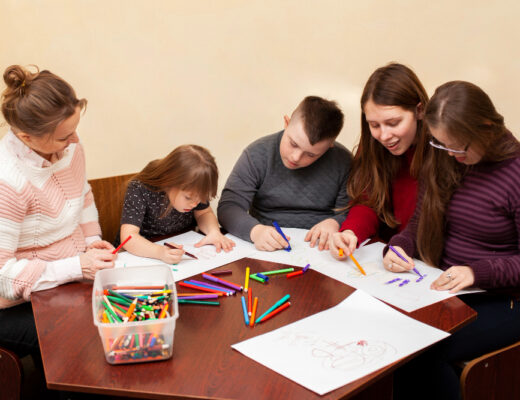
(11, 375)
(109, 194)
(493, 376)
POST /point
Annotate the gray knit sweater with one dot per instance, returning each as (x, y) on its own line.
(261, 189)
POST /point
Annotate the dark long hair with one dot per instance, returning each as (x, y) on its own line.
(466, 113)
(373, 167)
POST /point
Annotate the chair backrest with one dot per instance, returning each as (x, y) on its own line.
(10, 375)
(109, 194)
(494, 376)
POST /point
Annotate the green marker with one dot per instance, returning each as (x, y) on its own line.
(278, 271)
(276, 305)
(209, 303)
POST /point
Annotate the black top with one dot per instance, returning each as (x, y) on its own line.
(144, 208)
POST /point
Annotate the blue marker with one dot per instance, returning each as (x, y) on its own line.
(244, 309)
(279, 230)
(265, 277)
(402, 258)
(276, 305)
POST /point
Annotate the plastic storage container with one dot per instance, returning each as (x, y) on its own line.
(137, 341)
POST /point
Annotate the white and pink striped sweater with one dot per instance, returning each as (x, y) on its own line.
(46, 214)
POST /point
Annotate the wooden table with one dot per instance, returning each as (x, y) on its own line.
(203, 363)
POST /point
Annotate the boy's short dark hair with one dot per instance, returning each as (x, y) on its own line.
(322, 119)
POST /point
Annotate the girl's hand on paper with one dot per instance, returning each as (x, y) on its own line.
(345, 240)
(170, 256)
(321, 232)
(454, 279)
(393, 263)
(218, 240)
(266, 238)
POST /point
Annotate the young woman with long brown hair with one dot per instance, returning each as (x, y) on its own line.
(467, 222)
(382, 184)
(169, 196)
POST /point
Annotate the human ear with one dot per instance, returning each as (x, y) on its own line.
(286, 121)
(419, 111)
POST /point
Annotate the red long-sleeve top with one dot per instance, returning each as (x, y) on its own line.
(364, 221)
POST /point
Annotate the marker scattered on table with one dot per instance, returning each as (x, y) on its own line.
(404, 259)
(274, 307)
(122, 244)
(246, 284)
(279, 230)
(357, 264)
(176, 248)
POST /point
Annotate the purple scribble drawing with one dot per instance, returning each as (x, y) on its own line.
(421, 278)
(405, 282)
(392, 281)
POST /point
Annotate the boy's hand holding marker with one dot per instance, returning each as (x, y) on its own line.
(267, 238)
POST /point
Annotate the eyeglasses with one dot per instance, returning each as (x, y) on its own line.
(441, 147)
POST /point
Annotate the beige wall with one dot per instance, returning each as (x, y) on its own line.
(221, 73)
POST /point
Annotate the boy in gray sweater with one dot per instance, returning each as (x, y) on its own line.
(296, 177)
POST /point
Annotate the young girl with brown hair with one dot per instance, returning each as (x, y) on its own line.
(170, 196)
(467, 223)
(382, 184)
(49, 230)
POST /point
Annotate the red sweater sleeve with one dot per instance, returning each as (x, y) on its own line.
(361, 220)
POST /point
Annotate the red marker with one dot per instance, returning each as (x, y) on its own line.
(122, 244)
(293, 274)
(273, 313)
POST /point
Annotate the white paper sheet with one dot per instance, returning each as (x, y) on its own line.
(335, 347)
(208, 258)
(409, 297)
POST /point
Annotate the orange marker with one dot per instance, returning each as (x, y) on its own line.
(340, 251)
(357, 264)
(163, 311)
(131, 309)
(252, 319)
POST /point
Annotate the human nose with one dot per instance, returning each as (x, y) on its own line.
(74, 138)
(296, 155)
(386, 133)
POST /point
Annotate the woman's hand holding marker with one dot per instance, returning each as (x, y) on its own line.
(392, 262)
(346, 240)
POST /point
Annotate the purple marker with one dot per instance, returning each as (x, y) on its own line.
(206, 284)
(402, 258)
(306, 268)
(199, 297)
(392, 281)
(404, 282)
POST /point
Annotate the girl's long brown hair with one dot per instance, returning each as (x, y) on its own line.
(465, 112)
(36, 102)
(373, 166)
(188, 167)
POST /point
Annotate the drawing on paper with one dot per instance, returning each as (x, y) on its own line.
(342, 355)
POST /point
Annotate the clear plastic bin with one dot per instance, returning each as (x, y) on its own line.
(137, 341)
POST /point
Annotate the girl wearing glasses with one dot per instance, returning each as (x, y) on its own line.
(467, 222)
(383, 181)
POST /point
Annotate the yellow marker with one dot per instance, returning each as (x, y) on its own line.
(246, 285)
(357, 264)
(340, 251)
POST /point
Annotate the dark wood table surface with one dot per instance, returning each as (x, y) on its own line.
(203, 363)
